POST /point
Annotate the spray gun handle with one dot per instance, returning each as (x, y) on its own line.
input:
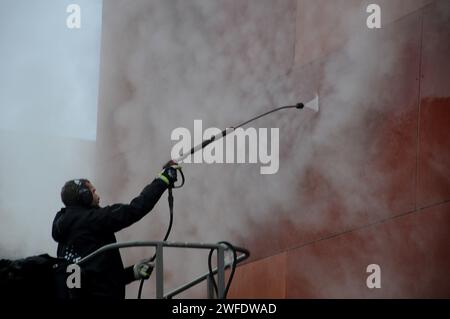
(182, 178)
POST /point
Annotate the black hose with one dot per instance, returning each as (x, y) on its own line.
(169, 228)
(233, 269)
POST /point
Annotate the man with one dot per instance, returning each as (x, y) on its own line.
(83, 226)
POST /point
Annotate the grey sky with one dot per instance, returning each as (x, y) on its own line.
(49, 73)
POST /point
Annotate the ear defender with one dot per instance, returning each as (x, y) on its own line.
(84, 195)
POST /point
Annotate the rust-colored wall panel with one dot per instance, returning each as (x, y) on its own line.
(373, 151)
(434, 148)
(325, 26)
(392, 10)
(261, 279)
(434, 160)
(412, 251)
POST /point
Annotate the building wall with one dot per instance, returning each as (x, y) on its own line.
(364, 181)
(410, 241)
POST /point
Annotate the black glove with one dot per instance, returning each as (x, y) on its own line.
(169, 173)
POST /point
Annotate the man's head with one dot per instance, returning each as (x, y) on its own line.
(79, 192)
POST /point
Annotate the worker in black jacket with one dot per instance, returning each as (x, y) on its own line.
(83, 226)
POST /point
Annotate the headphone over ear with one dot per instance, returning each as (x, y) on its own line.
(84, 195)
(76, 192)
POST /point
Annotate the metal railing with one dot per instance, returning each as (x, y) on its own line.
(159, 264)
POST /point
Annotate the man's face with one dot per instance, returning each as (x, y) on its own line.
(95, 197)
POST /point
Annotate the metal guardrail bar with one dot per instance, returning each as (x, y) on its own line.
(159, 272)
(154, 243)
(209, 287)
(220, 270)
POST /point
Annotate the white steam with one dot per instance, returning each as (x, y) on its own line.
(48, 109)
(223, 62)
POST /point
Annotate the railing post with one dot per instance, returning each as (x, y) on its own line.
(221, 271)
(210, 287)
(159, 264)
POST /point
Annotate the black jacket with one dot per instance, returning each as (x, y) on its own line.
(36, 277)
(80, 230)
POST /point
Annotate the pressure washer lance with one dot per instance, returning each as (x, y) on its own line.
(313, 104)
